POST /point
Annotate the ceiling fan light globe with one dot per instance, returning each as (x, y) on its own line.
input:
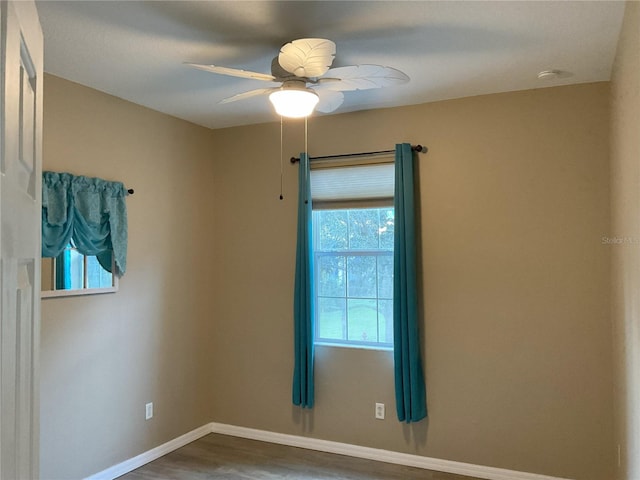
(294, 103)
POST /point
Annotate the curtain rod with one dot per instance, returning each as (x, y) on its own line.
(130, 191)
(415, 148)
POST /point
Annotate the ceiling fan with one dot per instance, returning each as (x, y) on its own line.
(303, 69)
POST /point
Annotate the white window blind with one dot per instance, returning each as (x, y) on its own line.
(341, 186)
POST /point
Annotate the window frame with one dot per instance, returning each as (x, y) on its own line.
(85, 290)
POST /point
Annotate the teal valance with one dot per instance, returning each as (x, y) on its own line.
(91, 211)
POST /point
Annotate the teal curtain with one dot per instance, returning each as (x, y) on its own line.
(410, 388)
(303, 294)
(92, 211)
(63, 270)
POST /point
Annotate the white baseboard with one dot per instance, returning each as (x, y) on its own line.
(427, 463)
(410, 460)
(150, 455)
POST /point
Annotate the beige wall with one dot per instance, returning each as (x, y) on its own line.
(625, 202)
(515, 201)
(105, 356)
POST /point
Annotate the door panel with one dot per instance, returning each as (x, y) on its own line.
(27, 118)
(25, 360)
(20, 216)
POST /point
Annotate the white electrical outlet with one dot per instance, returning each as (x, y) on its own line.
(148, 411)
(380, 411)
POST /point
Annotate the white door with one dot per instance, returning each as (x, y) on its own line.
(21, 46)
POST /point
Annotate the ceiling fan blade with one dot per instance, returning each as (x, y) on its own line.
(307, 57)
(329, 101)
(362, 77)
(234, 72)
(249, 94)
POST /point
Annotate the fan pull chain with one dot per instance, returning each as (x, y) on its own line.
(306, 136)
(281, 169)
(306, 148)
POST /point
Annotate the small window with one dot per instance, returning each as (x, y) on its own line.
(353, 258)
(72, 273)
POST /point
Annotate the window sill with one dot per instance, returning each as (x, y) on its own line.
(76, 292)
(355, 347)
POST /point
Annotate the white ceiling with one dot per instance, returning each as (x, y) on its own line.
(135, 50)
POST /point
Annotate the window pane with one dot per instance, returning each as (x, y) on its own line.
(97, 277)
(385, 276)
(362, 276)
(354, 275)
(363, 229)
(331, 276)
(363, 320)
(332, 318)
(385, 321)
(332, 233)
(386, 228)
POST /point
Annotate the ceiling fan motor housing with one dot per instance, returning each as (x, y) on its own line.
(296, 84)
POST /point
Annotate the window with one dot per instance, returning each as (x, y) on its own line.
(72, 273)
(353, 257)
(353, 227)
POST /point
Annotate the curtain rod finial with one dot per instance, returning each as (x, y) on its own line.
(421, 149)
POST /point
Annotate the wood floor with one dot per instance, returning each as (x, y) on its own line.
(224, 457)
